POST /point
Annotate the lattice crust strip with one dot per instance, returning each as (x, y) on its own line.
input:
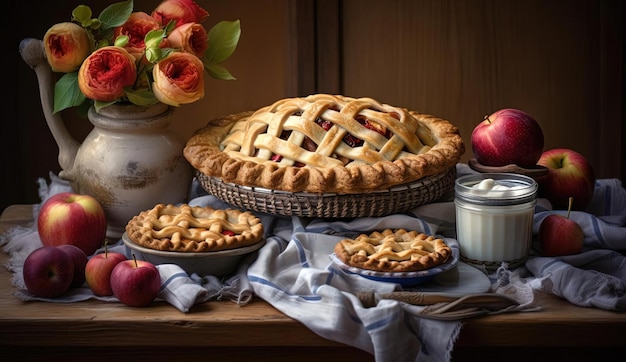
(260, 138)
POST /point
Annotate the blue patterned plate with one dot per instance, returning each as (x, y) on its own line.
(405, 279)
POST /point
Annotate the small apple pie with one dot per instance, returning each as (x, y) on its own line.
(188, 228)
(325, 144)
(393, 251)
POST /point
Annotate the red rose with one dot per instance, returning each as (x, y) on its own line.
(66, 46)
(190, 37)
(181, 11)
(136, 27)
(178, 79)
(106, 72)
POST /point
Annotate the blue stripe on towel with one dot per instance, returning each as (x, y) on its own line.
(262, 281)
(301, 252)
(172, 277)
(383, 322)
(597, 231)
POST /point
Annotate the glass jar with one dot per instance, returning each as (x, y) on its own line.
(494, 218)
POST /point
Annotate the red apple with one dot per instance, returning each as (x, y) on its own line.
(98, 271)
(48, 272)
(560, 235)
(508, 136)
(569, 175)
(80, 262)
(70, 218)
(135, 283)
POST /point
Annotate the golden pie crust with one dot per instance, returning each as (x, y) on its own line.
(393, 251)
(188, 228)
(325, 144)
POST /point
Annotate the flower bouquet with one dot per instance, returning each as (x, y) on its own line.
(135, 57)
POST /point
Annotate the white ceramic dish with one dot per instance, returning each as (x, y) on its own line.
(405, 279)
(218, 263)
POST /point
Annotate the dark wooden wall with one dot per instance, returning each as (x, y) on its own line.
(559, 60)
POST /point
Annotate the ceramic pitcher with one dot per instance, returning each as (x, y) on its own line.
(130, 161)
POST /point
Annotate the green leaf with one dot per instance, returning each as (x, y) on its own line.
(82, 14)
(98, 105)
(83, 109)
(169, 27)
(66, 92)
(165, 52)
(141, 97)
(102, 43)
(154, 38)
(223, 39)
(95, 24)
(153, 55)
(116, 14)
(121, 41)
(218, 72)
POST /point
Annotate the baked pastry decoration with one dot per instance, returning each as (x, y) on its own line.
(393, 251)
(188, 228)
(325, 144)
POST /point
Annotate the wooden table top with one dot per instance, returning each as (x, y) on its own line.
(224, 324)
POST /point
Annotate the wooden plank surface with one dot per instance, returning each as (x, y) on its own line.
(227, 329)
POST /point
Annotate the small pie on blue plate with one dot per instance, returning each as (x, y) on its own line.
(393, 251)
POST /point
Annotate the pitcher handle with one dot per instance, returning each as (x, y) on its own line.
(33, 54)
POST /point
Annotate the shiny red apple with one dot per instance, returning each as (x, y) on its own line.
(508, 136)
(48, 272)
(70, 218)
(98, 271)
(569, 175)
(135, 283)
(559, 235)
(80, 262)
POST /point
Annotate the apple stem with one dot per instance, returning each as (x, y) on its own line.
(135, 260)
(486, 118)
(569, 206)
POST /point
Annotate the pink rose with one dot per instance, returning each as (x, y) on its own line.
(190, 37)
(178, 79)
(182, 11)
(66, 46)
(136, 27)
(106, 72)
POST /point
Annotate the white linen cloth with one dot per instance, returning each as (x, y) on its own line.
(293, 273)
(178, 288)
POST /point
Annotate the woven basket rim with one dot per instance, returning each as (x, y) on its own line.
(382, 202)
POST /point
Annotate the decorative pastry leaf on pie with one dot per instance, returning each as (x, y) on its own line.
(393, 251)
(325, 144)
(188, 228)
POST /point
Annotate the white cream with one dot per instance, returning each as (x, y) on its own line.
(494, 218)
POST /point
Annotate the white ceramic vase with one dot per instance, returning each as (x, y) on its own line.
(130, 161)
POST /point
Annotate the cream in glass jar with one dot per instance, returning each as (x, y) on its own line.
(494, 218)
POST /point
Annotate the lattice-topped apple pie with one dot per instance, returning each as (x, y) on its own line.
(325, 144)
(393, 251)
(188, 228)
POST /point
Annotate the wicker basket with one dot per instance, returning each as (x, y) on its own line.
(377, 203)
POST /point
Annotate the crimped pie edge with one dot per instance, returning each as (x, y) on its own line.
(204, 154)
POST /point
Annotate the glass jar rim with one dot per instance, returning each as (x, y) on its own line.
(522, 189)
